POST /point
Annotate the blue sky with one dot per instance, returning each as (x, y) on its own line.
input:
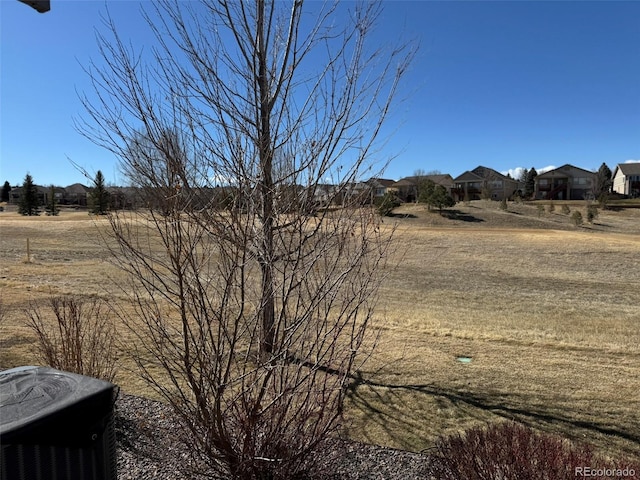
(507, 85)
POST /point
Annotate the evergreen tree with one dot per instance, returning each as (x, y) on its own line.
(530, 182)
(387, 203)
(603, 181)
(29, 204)
(6, 188)
(434, 195)
(425, 190)
(52, 205)
(441, 198)
(99, 196)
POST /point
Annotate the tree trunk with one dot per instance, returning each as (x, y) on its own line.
(267, 304)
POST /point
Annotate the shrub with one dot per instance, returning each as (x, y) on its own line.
(603, 201)
(551, 208)
(387, 203)
(576, 218)
(510, 450)
(80, 339)
(503, 204)
(566, 210)
(592, 213)
(540, 210)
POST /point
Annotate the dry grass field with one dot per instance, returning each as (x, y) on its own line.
(548, 313)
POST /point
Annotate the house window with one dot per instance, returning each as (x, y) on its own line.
(543, 181)
(495, 184)
(581, 181)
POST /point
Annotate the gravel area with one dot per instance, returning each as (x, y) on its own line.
(148, 449)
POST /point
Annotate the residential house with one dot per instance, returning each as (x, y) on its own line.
(42, 192)
(407, 187)
(323, 194)
(565, 183)
(626, 179)
(380, 186)
(124, 197)
(356, 193)
(76, 194)
(483, 183)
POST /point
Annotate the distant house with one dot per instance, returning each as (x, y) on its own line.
(323, 194)
(124, 197)
(483, 183)
(626, 179)
(16, 194)
(76, 194)
(407, 187)
(565, 183)
(380, 186)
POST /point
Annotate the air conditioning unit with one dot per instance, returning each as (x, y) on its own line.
(56, 425)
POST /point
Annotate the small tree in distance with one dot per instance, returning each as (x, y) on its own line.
(29, 203)
(6, 189)
(99, 196)
(529, 183)
(387, 203)
(434, 195)
(52, 207)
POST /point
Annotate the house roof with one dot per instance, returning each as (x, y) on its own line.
(564, 170)
(441, 179)
(629, 168)
(406, 182)
(490, 174)
(468, 177)
(381, 182)
(438, 179)
(76, 188)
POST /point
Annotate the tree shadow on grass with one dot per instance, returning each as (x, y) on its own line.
(458, 215)
(401, 215)
(383, 405)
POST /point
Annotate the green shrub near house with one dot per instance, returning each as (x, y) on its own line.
(386, 204)
(576, 218)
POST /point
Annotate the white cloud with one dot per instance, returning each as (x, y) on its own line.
(632, 161)
(546, 169)
(514, 172)
(517, 171)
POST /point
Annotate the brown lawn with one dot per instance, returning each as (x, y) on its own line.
(549, 314)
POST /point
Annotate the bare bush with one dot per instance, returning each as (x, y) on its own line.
(510, 450)
(252, 303)
(80, 338)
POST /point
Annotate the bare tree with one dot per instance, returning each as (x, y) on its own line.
(251, 313)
